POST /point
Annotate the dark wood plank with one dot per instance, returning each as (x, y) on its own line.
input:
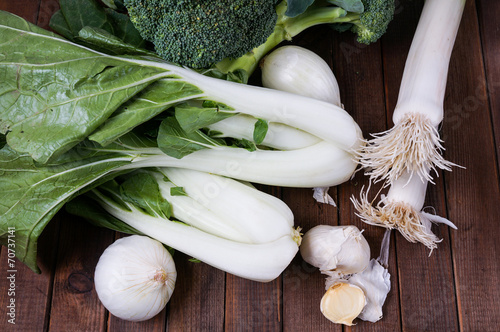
(75, 305)
(488, 13)
(473, 195)
(252, 305)
(27, 9)
(197, 303)
(29, 292)
(303, 284)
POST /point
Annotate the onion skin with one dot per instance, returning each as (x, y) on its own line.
(135, 278)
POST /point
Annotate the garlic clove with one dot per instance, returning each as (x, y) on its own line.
(355, 254)
(342, 303)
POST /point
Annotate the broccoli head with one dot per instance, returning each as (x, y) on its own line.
(199, 33)
(368, 19)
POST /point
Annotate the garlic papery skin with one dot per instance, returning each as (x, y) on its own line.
(135, 278)
(375, 281)
(300, 71)
(336, 249)
(342, 303)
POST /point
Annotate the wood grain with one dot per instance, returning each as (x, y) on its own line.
(457, 288)
(488, 13)
(473, 195)
(197, 303)
(75, 305)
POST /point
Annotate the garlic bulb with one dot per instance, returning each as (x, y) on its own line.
(374, 281)
(300, 71)
(336, 250)
(342, 303)
(135, 277)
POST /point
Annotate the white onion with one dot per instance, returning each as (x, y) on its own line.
(300, 71)
(135, 277)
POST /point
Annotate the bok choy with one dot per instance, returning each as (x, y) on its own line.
(257, 243)
(74, 118)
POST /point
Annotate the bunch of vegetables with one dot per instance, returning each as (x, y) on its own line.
(112, 119)
(77, 112)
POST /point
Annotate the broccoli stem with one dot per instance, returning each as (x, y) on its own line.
(286, 28)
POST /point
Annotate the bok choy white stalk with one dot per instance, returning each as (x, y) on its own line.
(295, 168)
(278, 136)
(255, 217)
(257, 247)
(406, 155)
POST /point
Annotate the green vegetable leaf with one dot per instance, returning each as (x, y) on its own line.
(147, 104)
(174, 141)
(297, 7)
(177, 191)
(260, 131)
(50, 101)
(30, 194)
(192, 118)
(75, 15)
(85, 207)
(237, 76)
(106, 42)
(355, 6)
(58, 23)
(141, 189)
(245, 144)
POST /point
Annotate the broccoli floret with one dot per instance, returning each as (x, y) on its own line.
(197, 33)
(373, 21)
(369, 24)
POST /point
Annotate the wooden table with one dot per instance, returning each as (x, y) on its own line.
(457, 288)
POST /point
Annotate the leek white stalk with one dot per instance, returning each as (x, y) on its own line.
(135, 277)
(225, 207)
(401, 209)
(413, 144)
(405, 156)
